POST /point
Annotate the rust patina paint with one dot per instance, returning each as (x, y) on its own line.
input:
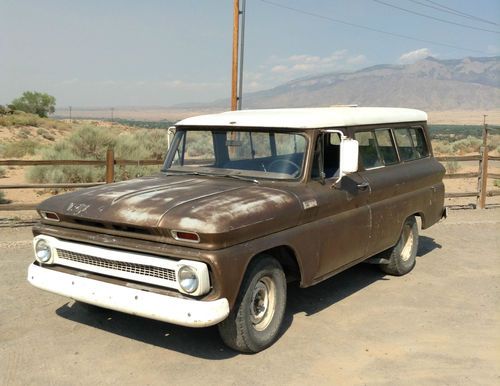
(327, 228)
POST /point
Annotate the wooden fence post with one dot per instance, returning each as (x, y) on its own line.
(110, 166)
(483, 176)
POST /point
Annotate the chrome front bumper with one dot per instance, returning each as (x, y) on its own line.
(184, 312)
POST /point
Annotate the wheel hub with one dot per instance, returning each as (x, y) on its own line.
(263, 303)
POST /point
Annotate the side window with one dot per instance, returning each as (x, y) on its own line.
(405, 144)
(368, 149)
(411, 143)
(331, 155)
(386, 146)
(419, 142)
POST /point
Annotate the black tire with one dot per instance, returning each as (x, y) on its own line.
(402, 257)
(255, 320)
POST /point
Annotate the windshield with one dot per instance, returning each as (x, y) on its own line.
(261, 153)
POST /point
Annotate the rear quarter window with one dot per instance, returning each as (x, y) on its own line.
(411, 143)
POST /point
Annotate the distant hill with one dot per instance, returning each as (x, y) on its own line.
(429, 84)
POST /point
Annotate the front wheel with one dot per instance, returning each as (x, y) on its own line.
(402, 257)
(256, 318)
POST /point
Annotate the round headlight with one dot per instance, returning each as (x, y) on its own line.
(188, 279)
(43, 251)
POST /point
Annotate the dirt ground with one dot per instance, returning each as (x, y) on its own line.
(439, 325)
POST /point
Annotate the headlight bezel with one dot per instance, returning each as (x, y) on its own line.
(188, 274)
(200, 270)
(41, 244)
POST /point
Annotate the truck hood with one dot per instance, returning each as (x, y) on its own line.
(222, 211)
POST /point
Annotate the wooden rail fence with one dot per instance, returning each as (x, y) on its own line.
(109, 163)
(481, 193)
(482, 177)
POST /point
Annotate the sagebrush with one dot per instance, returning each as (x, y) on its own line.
(18, 149)
(91, 143)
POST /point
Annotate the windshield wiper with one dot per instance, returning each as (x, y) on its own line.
(204, 174)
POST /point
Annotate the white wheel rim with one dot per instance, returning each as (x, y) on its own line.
(263, 303)
(407, 237)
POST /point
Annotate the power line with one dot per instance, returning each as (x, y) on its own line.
(435, 18)
(444, 8)
(368, 28)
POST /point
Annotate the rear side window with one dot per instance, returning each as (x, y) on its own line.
(386, 146)
(368, 149)
(419, 142)
(411, 143)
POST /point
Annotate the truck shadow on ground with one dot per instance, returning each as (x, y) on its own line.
(205, 342)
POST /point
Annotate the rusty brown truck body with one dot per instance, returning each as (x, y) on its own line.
(246, 202)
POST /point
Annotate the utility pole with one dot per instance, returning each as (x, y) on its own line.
(234, 80)
(112, 114)
(242, 51)
(238, 50)
(70, 120)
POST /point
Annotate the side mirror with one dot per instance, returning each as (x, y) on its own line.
(349, 150)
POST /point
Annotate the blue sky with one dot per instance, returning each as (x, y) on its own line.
(165, 52)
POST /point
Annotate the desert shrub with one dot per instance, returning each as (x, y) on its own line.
(20, 118)
(452, 167)
(442, 147)
(466, 145)
(18, 149)
(141, 145)
(87, 143)
(3, 173)
(41, 131)
(496, 183)
(45, 134)
(92, 143)
(48, 136)
(63, 173)
(24, 133)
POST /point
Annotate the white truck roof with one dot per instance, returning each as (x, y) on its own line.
(308, 118)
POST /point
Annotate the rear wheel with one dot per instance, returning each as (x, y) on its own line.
(402, 257)
(256, 318)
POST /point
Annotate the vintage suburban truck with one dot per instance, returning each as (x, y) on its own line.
(246, 201)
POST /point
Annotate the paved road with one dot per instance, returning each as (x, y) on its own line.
(439, 325)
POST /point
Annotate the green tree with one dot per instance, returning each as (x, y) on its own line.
(35, 103)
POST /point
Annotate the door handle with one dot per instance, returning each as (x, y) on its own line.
(363, 185)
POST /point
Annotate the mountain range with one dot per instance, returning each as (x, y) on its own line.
(429, 84)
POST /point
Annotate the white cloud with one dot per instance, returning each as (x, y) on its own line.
(277, 70)
(357, 60)
(414, 56)
(303, 64)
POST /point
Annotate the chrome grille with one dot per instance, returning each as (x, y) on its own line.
(138, 269)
